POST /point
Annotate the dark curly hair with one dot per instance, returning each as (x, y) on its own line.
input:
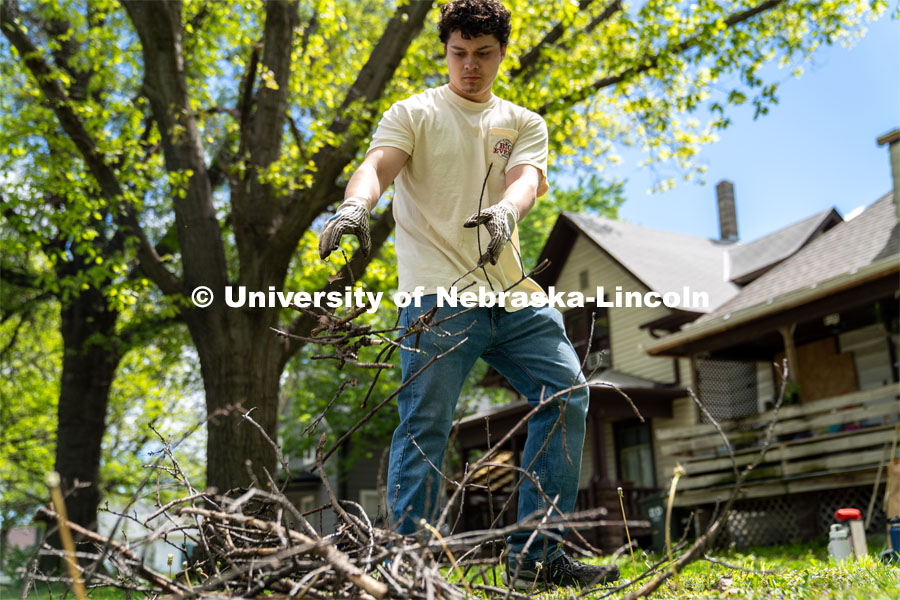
(473, 18)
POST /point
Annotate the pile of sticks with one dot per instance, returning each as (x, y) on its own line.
(259, 544)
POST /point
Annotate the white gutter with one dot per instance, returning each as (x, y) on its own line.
(787, 301)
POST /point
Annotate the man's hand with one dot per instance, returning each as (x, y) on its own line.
(351, 217)
(500, 220)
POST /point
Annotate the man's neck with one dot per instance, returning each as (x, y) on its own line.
(480, 99)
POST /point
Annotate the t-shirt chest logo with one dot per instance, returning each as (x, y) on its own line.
(503, 148)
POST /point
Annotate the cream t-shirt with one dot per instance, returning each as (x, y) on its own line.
(452, 142)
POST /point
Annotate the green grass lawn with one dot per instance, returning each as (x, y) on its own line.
(801, 572)
(792, 573)
(795, 572)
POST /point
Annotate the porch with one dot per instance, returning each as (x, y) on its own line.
(822, 453)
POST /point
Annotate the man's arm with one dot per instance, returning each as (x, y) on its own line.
(379, 169)
(375, 174)
(521, 188)
(522, 183)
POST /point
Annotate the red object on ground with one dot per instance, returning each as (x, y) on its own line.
(847, 514)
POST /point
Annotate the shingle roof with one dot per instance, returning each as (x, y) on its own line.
(746, 259)
(871, 237)
(662, 260)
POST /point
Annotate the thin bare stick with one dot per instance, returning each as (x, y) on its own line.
(65, 534)
(677, 474)
(709, 417)
(627, 533)
(284, 464)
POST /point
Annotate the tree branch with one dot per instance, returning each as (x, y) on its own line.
(158, 25)
(331, 160)
(645, 63)
(106, 178)
(611, 9)
(266, 127)
(530, 59)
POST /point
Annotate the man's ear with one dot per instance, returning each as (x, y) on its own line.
(502, 51)
(445, 49)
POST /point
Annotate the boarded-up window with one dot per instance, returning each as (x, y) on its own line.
(823, 372)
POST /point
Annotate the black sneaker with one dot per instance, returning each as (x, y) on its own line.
(562, 571)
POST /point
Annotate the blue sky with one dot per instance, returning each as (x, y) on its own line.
(816, 149)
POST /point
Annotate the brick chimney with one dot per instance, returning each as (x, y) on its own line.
(728, 231)
(892, 139)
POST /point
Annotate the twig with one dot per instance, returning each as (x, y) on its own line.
(65, 534)
(678, 473)
(627, 534)
(456, 568)
(321, 548)
(284, 464)
(335, 504)
(390, 397)
(718, 427)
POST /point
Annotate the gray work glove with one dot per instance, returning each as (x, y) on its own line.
(351, 217)
(500, 221)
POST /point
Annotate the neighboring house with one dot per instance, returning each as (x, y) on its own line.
(734, 380)
(146, 542)
(832, 309)
(14, 543)
(359, 483)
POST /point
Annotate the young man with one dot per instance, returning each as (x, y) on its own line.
(441, 148)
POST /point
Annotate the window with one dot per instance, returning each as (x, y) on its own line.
(369, 501)
(578, 328)
(307, 503)
(635, 453)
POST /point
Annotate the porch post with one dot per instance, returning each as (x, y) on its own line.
(787, 335)
(694, 384)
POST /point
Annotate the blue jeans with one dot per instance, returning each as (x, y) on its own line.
(528, 347)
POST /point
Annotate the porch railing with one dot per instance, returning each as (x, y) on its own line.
(828, 443)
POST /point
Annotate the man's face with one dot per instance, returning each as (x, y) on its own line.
(473, 65)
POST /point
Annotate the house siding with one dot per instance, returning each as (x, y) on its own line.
(871, 355)
(765, 385)
(626, 337)
(610, 441)
(363, 476)
(685, 374)
(587, 461)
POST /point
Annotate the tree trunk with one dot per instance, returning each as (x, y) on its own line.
(89, 365)
(241, 372)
